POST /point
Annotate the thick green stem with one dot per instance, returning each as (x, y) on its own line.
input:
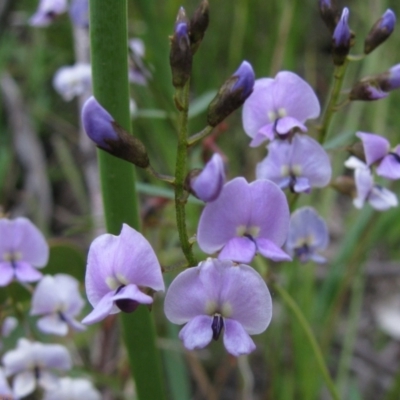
(310, 337)
(108, 34)
(182, 102)
(338, 77)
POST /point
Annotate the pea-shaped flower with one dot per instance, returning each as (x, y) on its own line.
(277, 106)
(308, 234)
(300, 164)
(23, 248)
(73, 389)
(119, 268)
(48, 11)
(219, 296)
(244, 220)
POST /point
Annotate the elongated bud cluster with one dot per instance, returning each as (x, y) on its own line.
(198, 25)
(109, 136)
(381, 30)
(376, 87)
(342, 39)
(329, 13)
(232, 94)
(180, 57)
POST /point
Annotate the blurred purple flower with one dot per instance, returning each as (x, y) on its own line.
(73, 389)
(118, 270)
(277, 106)
(138, 72)
(378, 197)
(79, 13)
(219, 296)
(208, 184)
(308, 234)
(58, 300)
(23, 248)
(48, 11)
(377, 150)
(5, 389)
(74, 80)
(244, 220)
(30, 362)
(300, 164)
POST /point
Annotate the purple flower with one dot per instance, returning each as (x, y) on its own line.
(377, 196)
(79, 12)
(138, 72)
(48, 11)
(208, 184)
(219, 296)
(377, 150)
(23, 248)
(245, 219)
(118, 270)
(30, 363)
(5, 390)
(71, 81)
(308, 234)
(58, 300)
(73, 389)
(277, 106)
(300, 165)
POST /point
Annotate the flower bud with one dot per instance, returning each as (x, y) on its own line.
(344, 185)
(109, 136)
(357, 150)
(232, 94)
(390, 80)
(329, 13)
(381, 30)
(180, 57)
(198, 25)
(341, 39)
(207, 184)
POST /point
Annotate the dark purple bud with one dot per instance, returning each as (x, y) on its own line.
(341, 39)
(180, 57)
(390, 80)
(198, 25)
(329, 13)
(232, 94)
(217, 325)
(381, 30)
(109, 136)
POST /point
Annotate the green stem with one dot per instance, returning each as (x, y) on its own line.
(200, 135)
(181, 195)
(338, 77)
(108, 34)
(311, 338)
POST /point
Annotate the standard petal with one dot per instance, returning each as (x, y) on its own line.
(276, 166)
(45, 299)
(245, 298)
(24, 272)
(53, 324)
(295, 96)
(188, 295)
(389, 167)
(6, 273)
(136, 260)
(256, 107)
(237, 342)
(269, 249)
(52, 356)
(311, 160)
(221, 218)
(375, 146)
(16, 360)
(21, 239)
(101, 309)
(197, 333)
(24, 383)
(238, 249)
(270, 211)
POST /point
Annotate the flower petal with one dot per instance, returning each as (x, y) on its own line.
(53, 324)
(389, 167)
(132, 292)
(101, 309)
(24, 272)
(197, 333)
(6, 273)
(45, 299)
(52, 356)
(286, 124)
(24, 383)
(245, 298)
(265, 133)
(239, 249)
(302, 185)
(382, 199)
(237, 342)
(364, 184)
(270, 250)
(375, 146)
